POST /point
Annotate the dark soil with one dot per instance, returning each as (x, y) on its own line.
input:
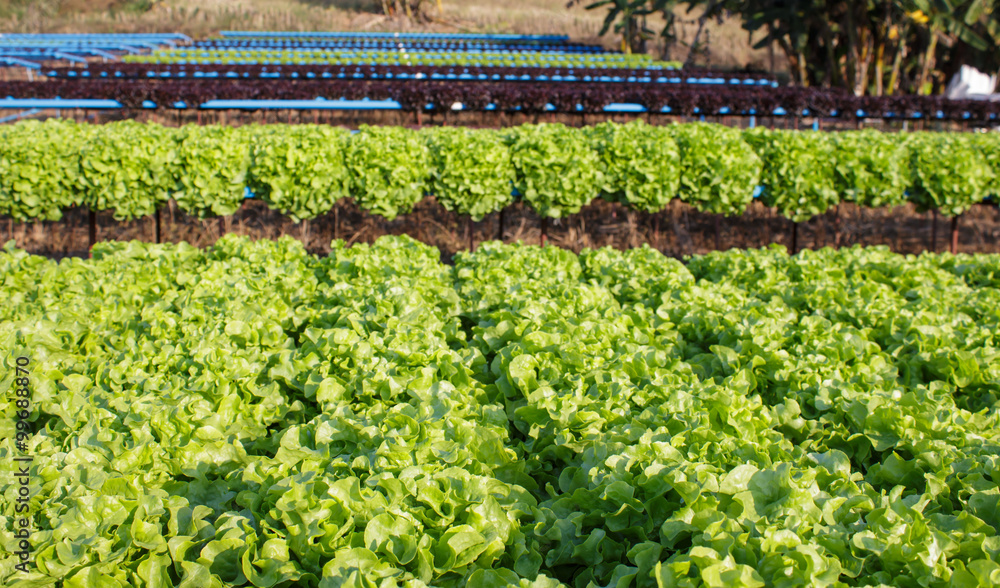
(677, 231)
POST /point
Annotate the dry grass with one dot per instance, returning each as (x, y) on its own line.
(729, 46)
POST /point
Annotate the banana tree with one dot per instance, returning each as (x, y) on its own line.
(792, 25)
(975, 29)
(945, 20)
(669, 32)
(628, 17)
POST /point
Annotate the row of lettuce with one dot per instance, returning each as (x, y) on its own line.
(253, 415)
(133, 168)
(366, 56)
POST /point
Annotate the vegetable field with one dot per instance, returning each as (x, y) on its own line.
(252, 415)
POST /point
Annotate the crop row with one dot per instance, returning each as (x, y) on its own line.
(398, 57)
(252, 415)
(141, 71)
(532, 97)
(396, 44)
(303, 170)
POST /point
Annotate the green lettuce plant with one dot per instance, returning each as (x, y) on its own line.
(988, 146)
(389, 168)
(871, 168)
(950, 172)
(640, 164)
(798, 171)
(130, 168)
(472, 172)
(40, 168)
(300, 170)
(558, 172)
(214, 164)
(719, 171)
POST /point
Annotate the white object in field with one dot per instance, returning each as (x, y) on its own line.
(969, 82)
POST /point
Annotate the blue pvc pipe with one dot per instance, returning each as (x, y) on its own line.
(303, 104)
(14, 117)
(44, 56)
(623, 107)
(15, 62)
(95, 37)
(25, 103)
